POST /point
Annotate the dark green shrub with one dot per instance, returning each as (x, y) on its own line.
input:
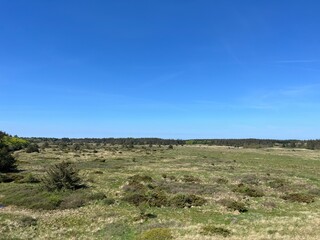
(29, 178)
(278, 183)
(97, 196)
(213, 230)
(234, 205)
(248, 191)
(299, 197)
(186, 200)
(32, 148)
(135, 187)
(156, 234)
(73, 201)
(62, 176)
(250, 179)
(27, 221)
(140, 178)
(190, 179)
(5, 178)
(157, 199)
(222, 181)
(7, 161)
(109, 201)
(31, 196)
(135, 198)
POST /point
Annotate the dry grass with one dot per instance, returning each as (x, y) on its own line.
(212, 172)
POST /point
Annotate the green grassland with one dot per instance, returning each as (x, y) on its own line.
(152, 192)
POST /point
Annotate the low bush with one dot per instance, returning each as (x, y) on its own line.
(32, 148)
(29, 178)
(156, 234)
(186, 200)
(222, 181)
(234, 205)
(140, 178)
(97, 196)
(108, 201)
(277, 183)
(35, 197)
(5, 178)
(134, 187)
(28, 221)
(213, 230)
(73, 201)
(190, 179)
(299, 197)
(157, 199)
(250, 179)
(248, 190)
(135, 198)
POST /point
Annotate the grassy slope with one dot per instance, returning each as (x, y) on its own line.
(220, 170)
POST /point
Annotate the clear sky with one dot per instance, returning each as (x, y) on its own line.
(160, 68)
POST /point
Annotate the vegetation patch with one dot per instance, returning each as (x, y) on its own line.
(156, 234)
(299, 197)
(186, 200)
(213, 230)
(35, 197)
(140, 178)
(234, 205)
(278, 183)
(248, 190)
(62, 176)
(28, 221)
(190, 179)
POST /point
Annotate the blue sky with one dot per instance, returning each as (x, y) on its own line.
(169, 68)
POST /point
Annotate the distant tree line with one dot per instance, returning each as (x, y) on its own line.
(111, 141)
(245, 143)
(258, 143)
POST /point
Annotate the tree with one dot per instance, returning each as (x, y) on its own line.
(62, 176)
(7, 161)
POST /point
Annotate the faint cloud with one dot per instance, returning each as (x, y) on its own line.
(298, 61)
(298, 96)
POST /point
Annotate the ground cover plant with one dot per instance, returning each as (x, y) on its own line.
(150, 191)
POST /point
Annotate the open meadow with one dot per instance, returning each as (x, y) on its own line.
(158, 192)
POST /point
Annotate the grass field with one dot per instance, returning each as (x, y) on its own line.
(188, 192)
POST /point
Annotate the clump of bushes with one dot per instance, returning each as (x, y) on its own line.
(278, 183)
(299, 197)
(153, 198)
(190, 179)
(135, 198)
(5, 178)
(248, 190)
(213, 230)
(7, 161)
(234, 205)
(32, 148)
(250, 179)
(186, 200)
(222, 181)
(29, 178)
(34, 197)
(156, 234)
(140, 178)
(28, 221)
(138, 192)
(62, 176)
